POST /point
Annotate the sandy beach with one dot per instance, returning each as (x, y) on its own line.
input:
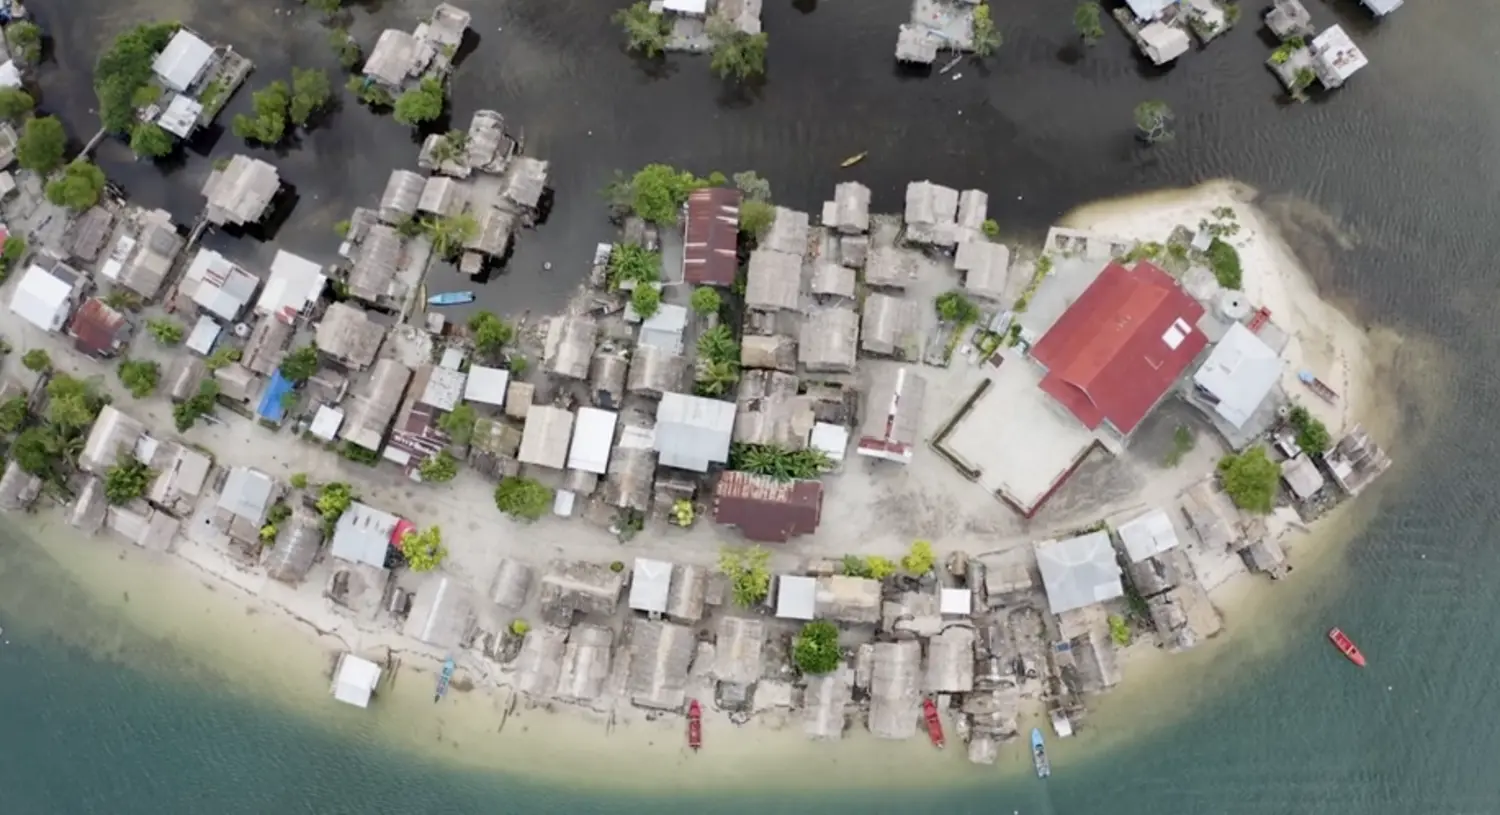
(274, 643)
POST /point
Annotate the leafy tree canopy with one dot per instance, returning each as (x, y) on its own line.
(140, 376)
(15, 103)
(439, 468)
(423, 103)
(300, 364)
(816, 649)
(124, 68)
(706, 300)
(1250, 479)
(490, 332)
(310, 93)
(79, 187)
(165, 331)
(646, 300)
(523, 498)
(424, 550)
(749, 573)
(646, 31)
(37, 360)
(737, 55)
(127, 480)
(148, 140)
(459, 424)
(919, 559)
(42, 144)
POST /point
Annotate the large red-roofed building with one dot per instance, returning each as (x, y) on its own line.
(1119, 348)
(711, 238)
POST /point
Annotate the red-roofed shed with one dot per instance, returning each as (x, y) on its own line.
(98, 330)
(765, 509)
(711, 238)
(1117, 350)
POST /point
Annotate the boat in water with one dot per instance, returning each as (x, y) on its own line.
(1346, 646)
(1318, 386)
(934, 723)
(854, 159)
(695, 725)
(1039, 754)
(451, 298)
(443, 679)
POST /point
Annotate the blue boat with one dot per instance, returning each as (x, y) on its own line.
(443, 679)
(1039, 754)
(451, 298)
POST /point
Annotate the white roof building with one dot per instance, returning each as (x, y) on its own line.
(180, 117)
(363, 535)
(43, 299)
(1148, 536)
(1336, 57)
(10, 75)
(956, 602)
(487, 385)
(593, 436)
(1149, 9)
(356, 680)
(831, 440)
(1164, 43)
(182, 62)
(693, 432)
(796, 597)
(326, 423)
(1380, 8)
(218, 284)
(650, 585)
(1239, 373)
(295, 283)
(445, 387)
(205, 332)
(1079, 571)
(664, 328)
(693, 7)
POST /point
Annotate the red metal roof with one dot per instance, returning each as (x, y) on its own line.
(1109, 357)
(711, 238)
(765, 509)
(97, 329)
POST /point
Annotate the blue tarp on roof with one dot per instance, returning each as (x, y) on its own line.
(270, 402)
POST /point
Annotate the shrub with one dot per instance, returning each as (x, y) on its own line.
(1250, 479)
(166, 331)
(682, 512)
(459, 424)
(440, 468)
(127, 480)
(1119, 632)
(523, 498)
(140, 376)
(1312, 434)
(26, 36)
(298, 481)
(955, 308)
(15, 104)
(490, 332)
(717, 345)
(706, 300)
(1225, 262)
(200, 404)
(333, 500)
(148, 140)
(778, 462)
(37, 360)
(749, 573)
(629, 262)
(645, 299)
(519, 627)
(300, 364)
(1182, 444)
(363, 455)
(617, 566)
(816, 649)
(986, 36)
(991, 228)
(423, 551)
(423, 103)
(879, 568)
(919, 560)
(222, 358)
(756, 217)
(13, 412)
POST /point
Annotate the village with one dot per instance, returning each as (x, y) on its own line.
(730, 370)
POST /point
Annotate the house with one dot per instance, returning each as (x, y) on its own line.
(593, 436)
(180, 115)
(973, 208)
(823, 704)
(607, 376)
(181, 473)
(1148, 10)
(693, 432)
(443, 615)
(771, 412)
(267, 346)
(832, 440)
(1163, 43)
(403, 191)
(444, 388)
(18, 488)
(1288, 19)
(524, 184)
(1302, 476)
(545, 439)
(985, 267)
(355, 680)
(489, 146)
(1079, 571)
(950, 661)
(370, 412)
(891, 326)
(113, 433)
(365, 535)
(1120, 346)
(917, 44)
(689, 593)
(184, 377)
(326, 423)
(271, 408)
(846, 599)
(776, 352)
(295, 284)
(242, 192)
(486, 385)
(584, 666)
(765, 509)
(218, 285)
(296, 548)
(1240, 373)
(1335, 57)
(141, 262)
(890, 267)
(711, 237)
(441, 196)
(851, 209)
(45, 297)
(569, 346)
(895, 689)
(570, 588)
(831, 279)
(738, 646)
(796, 597)
(349, 335)
(632, 472)
(90, 231)
(518, 398)
(931, 213)
(893, 415)
(650, 585)
(182, 63)
(99, 330)
(787, 233)
(1380, 8)
(829, 340)
(203, 336)
(396, 57)
(774, 280)
(1356, 460)
(243, 503)
(540, 662)
(1148, 535)
(660, 654)
(377, 256)
(655, 372)
(664, 328)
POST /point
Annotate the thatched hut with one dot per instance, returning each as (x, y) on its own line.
(738, 657)
(540, 661)
(823, 704)
(950, 661)
(688, 594)
(660, 655)
(512, 584)
(895, 689)
(655, 371)
(585, 663)
(296, 550)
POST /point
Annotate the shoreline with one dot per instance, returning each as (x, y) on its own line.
(636, 743)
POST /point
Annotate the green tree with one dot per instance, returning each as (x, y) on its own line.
(1250, 479)
(451, 146)
(165, 330)
(369, 92)
(991, 228)
(717, 344)
(1312, 435)
(879, 568)
(954, 307)
(987, 37)
(1224, 259)
(706, 300)
(127, 480)
(816, 650)
(646, 300)
(439, 468)
(490, 332)
(919, 559)
(300, 364)
(72, 404)
(268, 125)
(645, 31)
(328, 7)
(717, 376)
(737, 55)
(37, 360)
(188, 411)
(42, 144)
(1086, 19)
(310, 93)
(629, 262)
(523, 498)
(448, 235)
(26, 38)
(11, 253)
(35, 451)
(13, 412)
(459, 424)
(15, 104)
(79, 187)
(124, 68)
(334, 499)
(423, 551)
(150, 141)
(1154, 121)
(222, 358)
(756, 217)
(346, 48)
(752, 186)
(139, 376)
(423, 103)
(657, 192)
(749, 574)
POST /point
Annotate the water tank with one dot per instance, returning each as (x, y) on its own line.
(1233, 306)
(242, 330)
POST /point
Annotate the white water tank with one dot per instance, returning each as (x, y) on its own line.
(242, 330)
(1233, 306)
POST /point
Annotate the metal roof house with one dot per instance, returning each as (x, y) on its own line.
(711, 237)
(664, 328)
(242, 192)
(774, 280)
(363, 534)
(1120, 346)
(348, 335)
(851, 209)
(1335, 57)
(98, 330)
(650, 584)
(1079, 571)
(985, 266)
(141, 262)
(738, 648)
(891, 326)
(1148, 536)
(776, 352)
(112, 432)
(1302, 476)
(796, 597)
(18, 488)
(181, 64)
(444, 613)
(486, 385)
(764, 509)
(569, 588)
(545, 439)
(403, 190)
(1149, 9)
(246, 497)
(1240, 372)
(294, 285)
(895, 689)
(1163, 43)
(44, 298)
(893, 413)
(693, 432)
(593, 436)
(931, 213)
(585, 663)
(355, 680)
(661, 653)
(370, 412)
(569, 346)
(787, 233)
(655, 372)
(218, 285)
(829, 340)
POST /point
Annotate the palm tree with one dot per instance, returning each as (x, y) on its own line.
(717, 377)
(448, 235)
(718, 343)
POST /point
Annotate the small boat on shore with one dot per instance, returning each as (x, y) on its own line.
(854, 159)
(443, 679)
(1346, 646)
(1318, 387)
(1039, 754)
(934, 723)
(451, 298)
(695, 725)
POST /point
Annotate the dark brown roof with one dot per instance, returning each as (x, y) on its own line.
(765, 509)
(711, 238)
(97, 329)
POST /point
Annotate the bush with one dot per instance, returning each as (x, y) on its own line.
(749, 573)
(42, 145)
(756, 217)
(1225, 262)
(1182, 444)
(1312, 434)
(523, 498)
(459, 424)
(37, 360)
(1250, 479)
(986, 36)
(13, 412)
(368, 92)
(1153, 118)
(124, 68)
(656, 192)
(363, 455)
(955, 308)
(423, 103)
(706, 300)
(440, 468)
(990, 228)
(682, 512)
(346, 48)
(778, 462)
(200, 404)
(717, 345)
(1086, 20)
(1119, 632)
(645, 30)
(646, 300)
(26, 37)
(423, 551)
(310, 94)
(879, 568)
(222, 358)
(15, 104)
(617, 566)
(150, 141)
(79, 187)
(333, 500)
(127, 480)
(490, 332)
(919, 560)
(737, 55)
(300, 364)
(140, 376)
(631, 262)
(298, 481)
(816, 649)
(519, 627)
(166, 331)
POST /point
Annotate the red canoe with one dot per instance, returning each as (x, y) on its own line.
(934, 723)
(1346, 646)
(695, 725)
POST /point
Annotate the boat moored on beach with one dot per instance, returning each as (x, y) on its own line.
(934, 723)
(1346, 646)
(1318, 387)
(444, 679)
(1039, 754)
(695, 725)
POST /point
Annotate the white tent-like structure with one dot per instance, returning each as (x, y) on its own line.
(355, 680)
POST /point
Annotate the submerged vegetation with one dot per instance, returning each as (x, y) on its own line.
(646, 31)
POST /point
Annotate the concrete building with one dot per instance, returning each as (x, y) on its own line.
(218, 285)
(893, 414)
(1239, 374)
(1079, 572)
(693, 432)
(242, 192)
(365, 535)
(45, 296)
